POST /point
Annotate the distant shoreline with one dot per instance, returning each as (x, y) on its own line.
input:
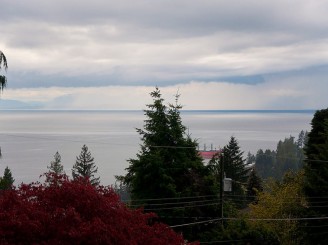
(254, 111)
(307, 111)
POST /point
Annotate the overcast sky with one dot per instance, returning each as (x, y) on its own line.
(219, 54)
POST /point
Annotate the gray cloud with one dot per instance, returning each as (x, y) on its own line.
(189, 15)
(135, 43)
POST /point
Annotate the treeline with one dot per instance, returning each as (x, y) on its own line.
(277, 197)
(289, 156)
(84, 167)
(271, 191)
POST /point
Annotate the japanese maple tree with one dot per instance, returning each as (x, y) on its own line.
(75, 212)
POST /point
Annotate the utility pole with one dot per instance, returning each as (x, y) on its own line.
(221, 186)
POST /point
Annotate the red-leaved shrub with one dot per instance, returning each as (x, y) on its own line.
(65, 211)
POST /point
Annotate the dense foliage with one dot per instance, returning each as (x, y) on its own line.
(279, 206)
(265, 162)
(75, 212)
(241, 232)
(288, 156)
(316, 177)
(254, 184)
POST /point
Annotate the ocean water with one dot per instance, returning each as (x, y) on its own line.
(29, 139)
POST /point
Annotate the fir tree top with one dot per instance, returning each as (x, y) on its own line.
(85, 166)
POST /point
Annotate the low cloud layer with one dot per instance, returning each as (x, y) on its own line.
(276, 94)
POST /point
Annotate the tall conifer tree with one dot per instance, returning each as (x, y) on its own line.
(235, 166)
(7, 181)
(3, 78)
(55, 166)
(167, 155)
(167, 166)
(3, 63)
(85, 166)
(254, 184)
(288, 158)
(264, 163)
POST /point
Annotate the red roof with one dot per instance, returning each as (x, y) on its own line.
(208, 154)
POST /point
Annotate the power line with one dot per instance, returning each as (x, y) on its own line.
(251, 219)
(226, 196)
(196, 223)
(226, 241)
(282, 219)
(176, 203)
(172, 198)
(182, 207)
(202, 203)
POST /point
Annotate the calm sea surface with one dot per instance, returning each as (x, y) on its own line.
(29, 139)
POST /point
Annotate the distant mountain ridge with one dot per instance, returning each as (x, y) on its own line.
(16, 104)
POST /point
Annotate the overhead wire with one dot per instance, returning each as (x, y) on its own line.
(177, 203)
(227, 241)
(251, 219)
(207, 196)
(182, 207)
(173, 198)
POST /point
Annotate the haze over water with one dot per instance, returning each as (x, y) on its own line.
(29, 139)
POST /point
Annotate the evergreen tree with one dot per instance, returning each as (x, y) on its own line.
(122, 189)
(301, 143)
(3, 62)
(250, 159)
(85, 166)
(301, 139)
(287, 158)
(168, 167)
(235, 166)
(214, 167)
(3, 79)
(7, 181)
(254, 184)
(56, 169)
(55, 166)
(316, 176)
(265, 160)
